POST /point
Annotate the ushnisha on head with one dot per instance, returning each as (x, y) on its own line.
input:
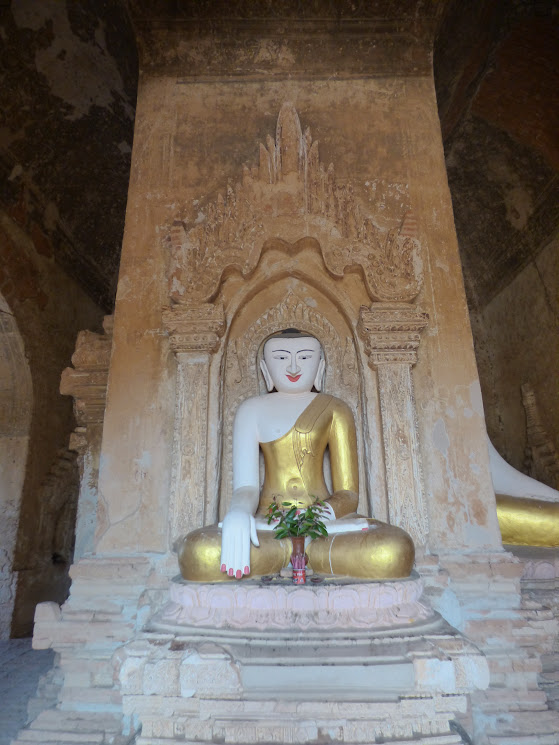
(292, 362)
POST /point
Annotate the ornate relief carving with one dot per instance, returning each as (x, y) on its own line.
(291, 181)
(194, 328)
(87, 383)
(350, 373)
(369, 605)
(87, 380)
(190, 446)
(194, 333)
(404, 476)
(391, 332)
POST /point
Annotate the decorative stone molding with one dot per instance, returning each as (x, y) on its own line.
(291, 181)
(87, 383)
(194, 328)
(245, 605)
(391, 333)
(194, 333)
(87, 380)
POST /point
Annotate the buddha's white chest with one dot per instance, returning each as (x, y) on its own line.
(277, 414)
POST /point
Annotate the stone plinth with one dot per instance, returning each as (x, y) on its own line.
(258, 662)
(262, 685)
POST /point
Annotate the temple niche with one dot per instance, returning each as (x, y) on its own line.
(321, 282)
(267, 195)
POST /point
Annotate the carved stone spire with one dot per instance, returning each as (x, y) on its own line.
(291, 181)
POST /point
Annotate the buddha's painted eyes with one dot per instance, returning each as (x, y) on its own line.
(282, 355)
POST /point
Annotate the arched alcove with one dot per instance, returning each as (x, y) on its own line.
(282, 304)
(16, 396)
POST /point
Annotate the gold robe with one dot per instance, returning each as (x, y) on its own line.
(294, 470)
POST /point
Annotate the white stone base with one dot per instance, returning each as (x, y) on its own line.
(399, 684)
(246, 723)
(198, 686)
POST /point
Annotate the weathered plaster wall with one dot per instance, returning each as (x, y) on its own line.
(48, 309)
(193, 137)
(516, 343)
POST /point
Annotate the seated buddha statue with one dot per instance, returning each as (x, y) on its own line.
(293, 425)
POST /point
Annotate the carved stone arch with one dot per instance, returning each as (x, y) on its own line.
(16, 400)
(242, 378)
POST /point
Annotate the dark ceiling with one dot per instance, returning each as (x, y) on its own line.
(68, 77)
(497, 78)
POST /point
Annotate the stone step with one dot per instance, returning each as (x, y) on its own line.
(28, 736)
(74, 721)
(552, 739)
(447, 739)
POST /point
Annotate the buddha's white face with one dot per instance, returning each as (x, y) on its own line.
(293, 365)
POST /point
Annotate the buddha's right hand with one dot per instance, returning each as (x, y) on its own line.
(237, 533)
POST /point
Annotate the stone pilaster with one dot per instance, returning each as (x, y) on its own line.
(194, 333)
(391, 332)
(87, 383)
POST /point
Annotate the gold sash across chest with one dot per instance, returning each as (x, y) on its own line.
(294, 462)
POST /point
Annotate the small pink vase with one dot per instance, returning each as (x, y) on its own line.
(298, 560)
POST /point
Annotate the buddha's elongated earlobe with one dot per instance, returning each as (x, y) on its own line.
(319, 379)
(267, 378)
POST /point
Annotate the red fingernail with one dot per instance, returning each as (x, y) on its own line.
(247, 570)
(230, 572)
(223, 568)
(239, 574)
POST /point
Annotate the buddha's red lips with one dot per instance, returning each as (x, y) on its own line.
(294, 378)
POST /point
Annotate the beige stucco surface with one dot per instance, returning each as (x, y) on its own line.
(191, 139)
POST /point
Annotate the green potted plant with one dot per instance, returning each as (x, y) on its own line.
(297, 522)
